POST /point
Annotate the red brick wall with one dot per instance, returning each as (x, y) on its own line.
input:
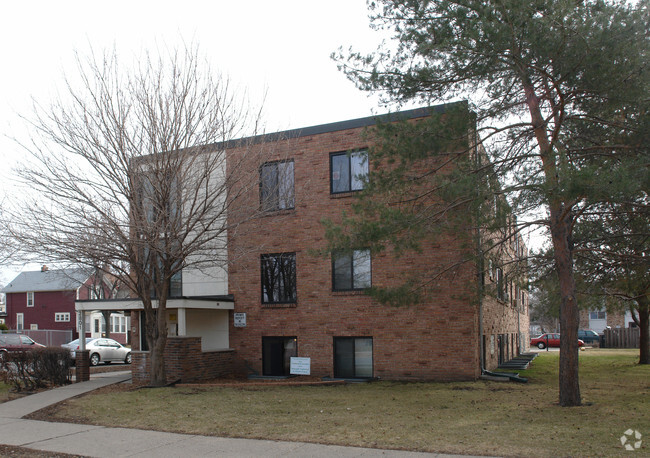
(510, 323)
(434, 340)
(184, 361)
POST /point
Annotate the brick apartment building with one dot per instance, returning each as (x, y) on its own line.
(280, 299)
(297, 303)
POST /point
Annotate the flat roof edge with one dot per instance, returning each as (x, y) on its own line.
(340, 125)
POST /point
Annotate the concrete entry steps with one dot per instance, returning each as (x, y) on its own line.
(520, 362)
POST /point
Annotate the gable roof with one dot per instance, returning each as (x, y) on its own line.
(49, 280)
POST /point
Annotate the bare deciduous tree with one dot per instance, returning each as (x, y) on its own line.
(7, 247)
(128, 176)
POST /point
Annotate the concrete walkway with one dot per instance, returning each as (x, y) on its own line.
(99, 441)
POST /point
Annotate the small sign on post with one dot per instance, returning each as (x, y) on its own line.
(239, 320)
(300, 366)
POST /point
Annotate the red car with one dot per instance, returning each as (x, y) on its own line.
(549, 340)
(10, 343)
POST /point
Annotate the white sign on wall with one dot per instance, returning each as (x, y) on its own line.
(240, 320)
(300, 366)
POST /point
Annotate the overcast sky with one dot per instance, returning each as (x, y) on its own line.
(281, 47)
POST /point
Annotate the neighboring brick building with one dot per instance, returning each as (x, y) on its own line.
(298, 303)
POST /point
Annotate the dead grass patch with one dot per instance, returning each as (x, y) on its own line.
(481, 417)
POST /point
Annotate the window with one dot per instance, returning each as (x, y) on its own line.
(176, 284)
(62, 317)
(598, 315)
(277, 353)
(33, 327)
(276, 186)
(30, 299)
(20, 322)
(501, 293)
(95, 292)
(118, 324)
(348, 171)
(352, 357)
(278, 278)
(351, 270)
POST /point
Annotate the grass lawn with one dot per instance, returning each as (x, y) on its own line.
(4, 392)
(481, 417)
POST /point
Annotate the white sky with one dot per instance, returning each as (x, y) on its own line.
(281, 47)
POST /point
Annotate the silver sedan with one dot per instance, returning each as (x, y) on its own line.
(103, 350)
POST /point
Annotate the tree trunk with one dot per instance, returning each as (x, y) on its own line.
(158, 373)
(560, 226)
(644, 328)
(106, 314)
(569, 314)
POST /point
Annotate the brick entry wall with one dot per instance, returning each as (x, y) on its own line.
(185, 361)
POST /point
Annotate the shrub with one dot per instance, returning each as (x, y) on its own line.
(39, 368)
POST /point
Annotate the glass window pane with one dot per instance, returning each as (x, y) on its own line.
(342, 272)
(278, 278)
(269, 183)
(344, 357)
(268, 279)
(359, 166)
(340, 173)
(363, 357)
(285, 186)
(362, 277)
(176, 285)
(287, 278)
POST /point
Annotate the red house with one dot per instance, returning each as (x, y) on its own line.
(44, 300)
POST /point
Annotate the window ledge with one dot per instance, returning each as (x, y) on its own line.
(342, 195)
(289, 211)
(350, 292)
(280, 306)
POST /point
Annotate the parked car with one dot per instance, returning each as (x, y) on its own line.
(11, 343)
(588, 336)
(549, 340)
(101, 350)
(73, 346)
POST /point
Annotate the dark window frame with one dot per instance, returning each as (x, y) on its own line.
(350, 177)
(272, 202)
(281, 283)
(336, 256)
(336, 367)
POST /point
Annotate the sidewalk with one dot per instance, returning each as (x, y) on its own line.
(100, 441)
